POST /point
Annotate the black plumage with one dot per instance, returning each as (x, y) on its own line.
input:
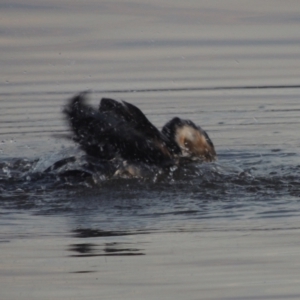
(121, 130)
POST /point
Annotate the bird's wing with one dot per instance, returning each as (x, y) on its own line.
(113, 131)
(132, 115)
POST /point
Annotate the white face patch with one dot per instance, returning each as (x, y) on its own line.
(184, 134)
(193, 143)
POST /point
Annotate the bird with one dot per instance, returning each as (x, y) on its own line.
(119, 129)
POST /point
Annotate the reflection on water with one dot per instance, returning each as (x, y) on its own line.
(109, 249)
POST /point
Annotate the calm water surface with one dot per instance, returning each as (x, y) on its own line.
(223, 230)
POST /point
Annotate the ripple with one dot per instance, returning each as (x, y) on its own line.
(66, 185)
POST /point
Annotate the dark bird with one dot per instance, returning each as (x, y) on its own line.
(121, 130)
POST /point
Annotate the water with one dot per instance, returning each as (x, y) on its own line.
(222, 230)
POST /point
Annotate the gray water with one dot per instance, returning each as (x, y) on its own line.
(223, 230)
